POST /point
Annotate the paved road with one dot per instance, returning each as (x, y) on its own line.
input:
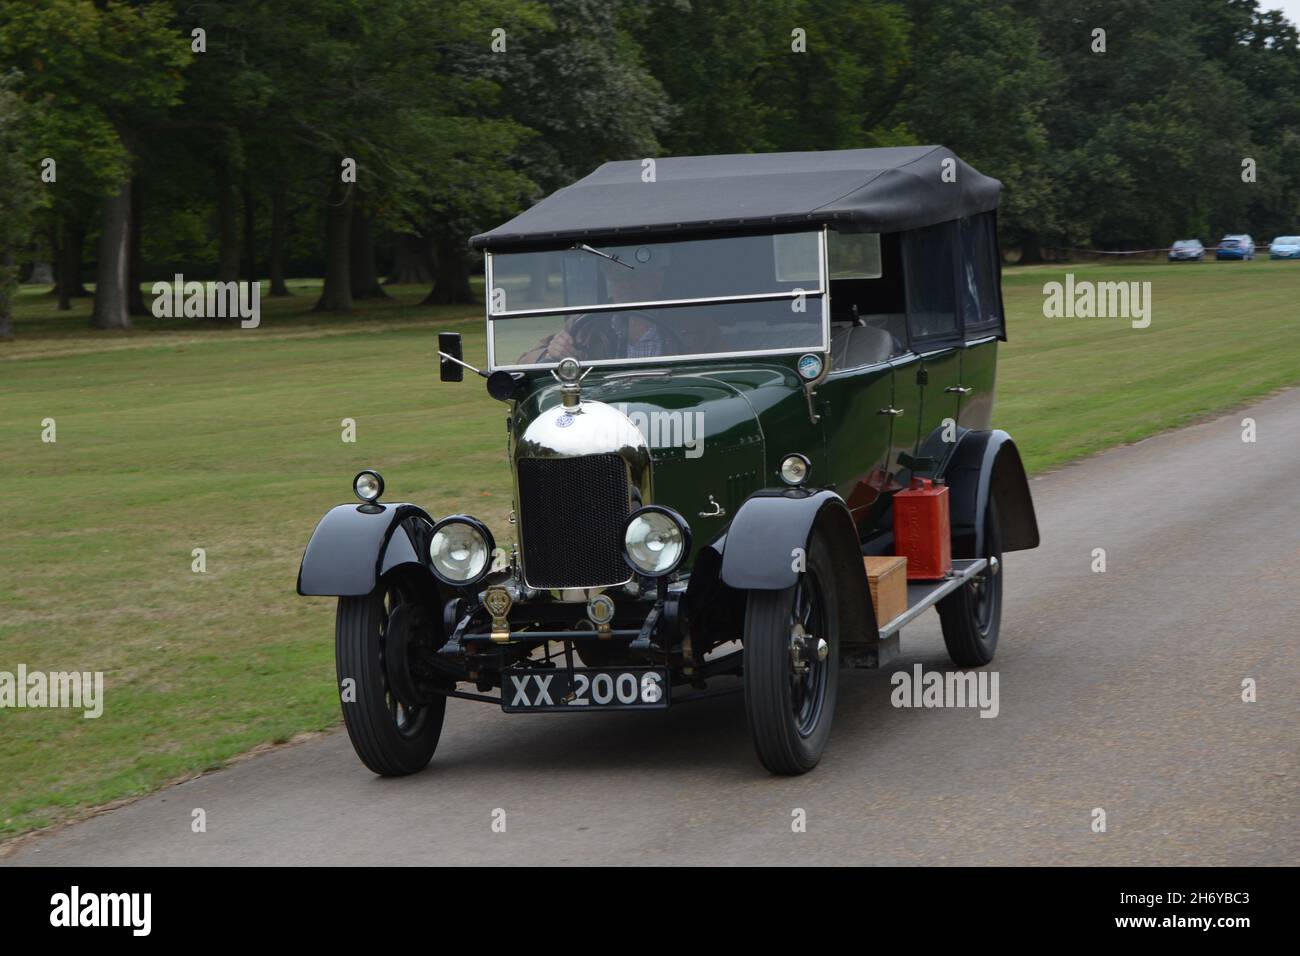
(1119, 690)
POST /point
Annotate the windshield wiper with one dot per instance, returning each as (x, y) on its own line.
(604, 255)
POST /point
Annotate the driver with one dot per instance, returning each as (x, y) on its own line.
(644, 339)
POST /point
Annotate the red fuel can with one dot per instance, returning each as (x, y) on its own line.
(921, 530)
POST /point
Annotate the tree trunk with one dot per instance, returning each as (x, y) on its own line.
(71, 243)
(411, 262)
(227, 227)
(77, 252)
(1032, 249)
(110, 279)
(134, 297)
(336, 296)
(365, 276)
(451, 275)
(8, 282)
(66, 273)
(53, 236)
(278, 230)
(249, 269)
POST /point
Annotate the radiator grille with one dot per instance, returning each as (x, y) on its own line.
(571, 516)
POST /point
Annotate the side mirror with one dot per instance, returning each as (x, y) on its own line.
(449, 358)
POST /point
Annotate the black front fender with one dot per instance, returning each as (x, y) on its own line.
(760, 549)
(355, 544)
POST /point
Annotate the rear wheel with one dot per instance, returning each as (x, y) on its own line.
(391, 737)
(972, 615)
(791, 667)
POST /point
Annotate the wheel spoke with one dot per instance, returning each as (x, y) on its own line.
(405, 719)
(807, 671)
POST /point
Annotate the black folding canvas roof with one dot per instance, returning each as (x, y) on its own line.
(870, 190)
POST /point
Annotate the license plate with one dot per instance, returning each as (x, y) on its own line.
(536, 690)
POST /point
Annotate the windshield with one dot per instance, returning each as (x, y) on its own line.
(1287, 241)
(628, 302)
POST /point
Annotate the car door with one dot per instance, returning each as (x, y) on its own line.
(905, 412)
(940, 394)
(854, 405)
(979, 363)
(933, 378)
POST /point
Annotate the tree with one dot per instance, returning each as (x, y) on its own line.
(1148, 136)
(761, 75)
(370, 85)
(78, 147)
(717, 106)
(977, 59)
(19, 191)
(558, 100)
(121, 64)
(582, 87)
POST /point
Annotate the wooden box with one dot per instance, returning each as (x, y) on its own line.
(887, 576)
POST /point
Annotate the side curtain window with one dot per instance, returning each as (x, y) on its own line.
(981, 277)
(930, 267)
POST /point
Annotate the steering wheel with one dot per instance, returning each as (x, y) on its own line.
(596, 341)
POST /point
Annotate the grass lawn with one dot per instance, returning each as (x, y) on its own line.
(178, 436)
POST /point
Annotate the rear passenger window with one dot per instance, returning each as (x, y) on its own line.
(929, 264)
(981, 289)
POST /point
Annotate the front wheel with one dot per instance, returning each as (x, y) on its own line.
(392, 738)
(791, 650)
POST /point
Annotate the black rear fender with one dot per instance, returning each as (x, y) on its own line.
(986, 466)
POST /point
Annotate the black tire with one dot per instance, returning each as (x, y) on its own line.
(391, 738)
(790, 712)
(972, 615)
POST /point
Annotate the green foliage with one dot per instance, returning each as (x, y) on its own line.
(19, 180)
(981, 86)
(19, 191)
(838, 93)
(98, 69)
(738, 85)
(582, 87)
(1148, 138)
(1130, 147)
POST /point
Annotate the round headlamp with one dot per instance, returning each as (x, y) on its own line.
(656, 540)
(460, 550)
(794, 469)
(368, 486)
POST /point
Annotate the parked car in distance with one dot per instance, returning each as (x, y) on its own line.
(1236, 246)
(1285, 247)
(1187, 250)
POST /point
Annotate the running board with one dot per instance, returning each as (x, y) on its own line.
(925, 594)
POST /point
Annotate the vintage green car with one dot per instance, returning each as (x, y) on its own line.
(719, 371)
